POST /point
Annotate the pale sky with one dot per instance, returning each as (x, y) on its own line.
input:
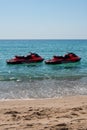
(43, 19)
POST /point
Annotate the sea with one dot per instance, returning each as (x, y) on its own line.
(39, 80)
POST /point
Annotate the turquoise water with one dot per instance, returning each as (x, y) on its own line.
(39, 80)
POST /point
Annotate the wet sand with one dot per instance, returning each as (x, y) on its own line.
(67, 113)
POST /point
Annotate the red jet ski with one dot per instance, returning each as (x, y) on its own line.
(68, 58)
(31, 58)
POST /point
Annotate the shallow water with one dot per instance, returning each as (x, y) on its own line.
(39, 80)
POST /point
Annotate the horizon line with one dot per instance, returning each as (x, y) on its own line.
(45, 39)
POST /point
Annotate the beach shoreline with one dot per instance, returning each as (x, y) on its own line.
(64, 113)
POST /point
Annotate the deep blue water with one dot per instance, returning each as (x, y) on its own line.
(39, 80)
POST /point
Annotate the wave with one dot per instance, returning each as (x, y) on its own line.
(24, 78)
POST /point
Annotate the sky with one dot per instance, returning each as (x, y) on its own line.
(43, 19)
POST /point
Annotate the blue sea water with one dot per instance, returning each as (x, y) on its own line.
(39, 80)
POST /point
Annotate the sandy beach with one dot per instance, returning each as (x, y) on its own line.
(67, 113)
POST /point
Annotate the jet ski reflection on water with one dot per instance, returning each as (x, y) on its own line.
(31, 58)
(68, 58)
